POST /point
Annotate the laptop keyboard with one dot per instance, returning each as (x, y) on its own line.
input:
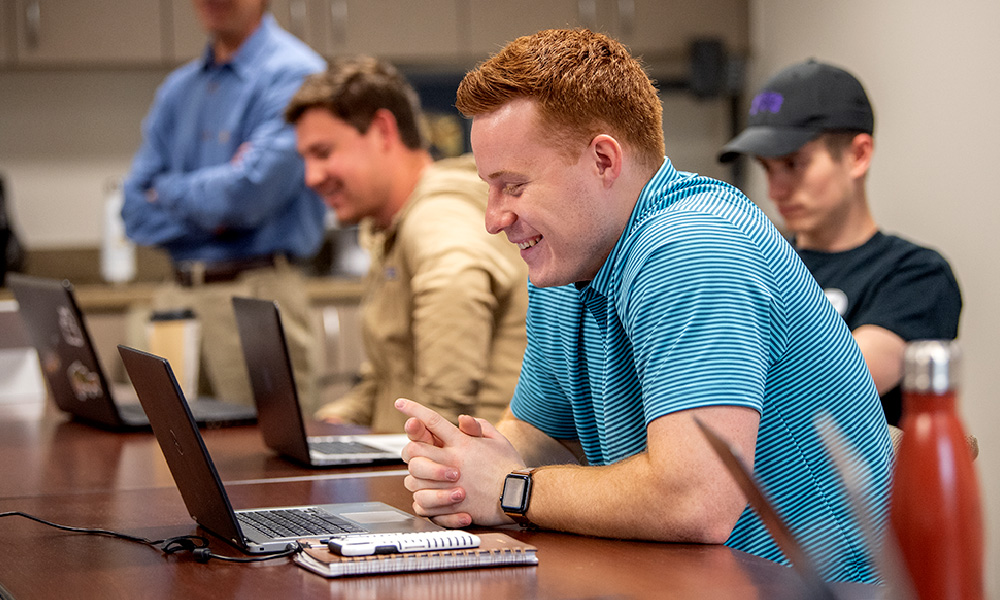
(342, 447)
(213, 410)
(201, 410)
(297, 522)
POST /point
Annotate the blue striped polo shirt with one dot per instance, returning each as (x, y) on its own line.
(700, 303)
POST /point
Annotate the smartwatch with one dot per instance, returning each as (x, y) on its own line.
(516, 495)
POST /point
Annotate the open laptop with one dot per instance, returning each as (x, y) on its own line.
(279, 415)
(69, 362)
(255, 531)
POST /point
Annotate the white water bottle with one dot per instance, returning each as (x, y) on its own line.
(117, 251)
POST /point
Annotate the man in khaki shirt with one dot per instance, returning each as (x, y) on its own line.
(445, 301)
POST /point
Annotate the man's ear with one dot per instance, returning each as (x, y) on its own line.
(859, 154)
(608, 156)
(384, 125)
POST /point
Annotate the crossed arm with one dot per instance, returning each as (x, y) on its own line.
(883, 351)
(164, 201)
(677, 490)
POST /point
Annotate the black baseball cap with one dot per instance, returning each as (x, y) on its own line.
(796, 105)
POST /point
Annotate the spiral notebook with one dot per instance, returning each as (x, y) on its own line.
(495, 550)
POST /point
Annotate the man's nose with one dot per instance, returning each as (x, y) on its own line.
(778, 188)
(314, 173)
(498, 216)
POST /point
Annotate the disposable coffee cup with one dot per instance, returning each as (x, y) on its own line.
(176, 336)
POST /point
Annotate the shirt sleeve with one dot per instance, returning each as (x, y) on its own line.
(918, 299)
(251, 187)
(698, 311)
(147, 223)
(455, 278)
(240, 194)
(357, 405)
(545, 392)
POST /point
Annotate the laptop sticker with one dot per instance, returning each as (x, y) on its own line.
(69, 327)
(85, 383)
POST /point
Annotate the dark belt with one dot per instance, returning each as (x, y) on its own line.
(193, 272)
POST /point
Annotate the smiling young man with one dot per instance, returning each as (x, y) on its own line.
(811, 128)
(656, 296)
(444, 304)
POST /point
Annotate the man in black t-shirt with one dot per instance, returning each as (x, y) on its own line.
(811, 127)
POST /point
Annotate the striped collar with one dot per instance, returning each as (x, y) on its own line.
(654, 189)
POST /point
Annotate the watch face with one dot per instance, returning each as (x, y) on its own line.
(514, 496)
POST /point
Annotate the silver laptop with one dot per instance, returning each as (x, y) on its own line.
(279, 414)
(255, 531)
(69, 362)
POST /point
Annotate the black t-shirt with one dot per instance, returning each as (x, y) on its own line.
(894, 284)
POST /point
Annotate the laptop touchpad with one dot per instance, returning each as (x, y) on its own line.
(377, 516)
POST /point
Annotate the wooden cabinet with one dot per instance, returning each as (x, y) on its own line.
(397, 30)
(448, 33)
(656, 28)
(6, 40)
(492, 24)
(667, 27)
(101, 32)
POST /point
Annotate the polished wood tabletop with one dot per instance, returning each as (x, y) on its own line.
(55, 454)
(75, 474)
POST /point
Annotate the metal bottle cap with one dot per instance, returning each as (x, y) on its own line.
(931, 366)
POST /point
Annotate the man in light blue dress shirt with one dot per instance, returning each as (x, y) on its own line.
(218, 185)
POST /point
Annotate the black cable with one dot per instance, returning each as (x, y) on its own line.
(202, 555)
(195, 544)
(124, 536)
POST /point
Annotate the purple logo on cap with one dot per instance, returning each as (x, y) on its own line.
(766, 102)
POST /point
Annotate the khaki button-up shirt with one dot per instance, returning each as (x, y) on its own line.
(444, 307)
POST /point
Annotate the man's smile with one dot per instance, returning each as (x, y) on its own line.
(528, 243)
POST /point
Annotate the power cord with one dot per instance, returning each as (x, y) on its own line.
(195, 544)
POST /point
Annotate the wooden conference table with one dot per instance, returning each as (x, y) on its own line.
(74, 474)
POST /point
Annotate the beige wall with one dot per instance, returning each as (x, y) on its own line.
(64, 134)
(931, 70)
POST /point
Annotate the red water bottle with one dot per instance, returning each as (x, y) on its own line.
(935, 510)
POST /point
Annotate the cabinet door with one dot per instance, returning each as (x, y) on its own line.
(188, 38)
(6, 30)
(667, 27)
(396, 30)
(492, 24)
(657, 28)
(70, 32)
